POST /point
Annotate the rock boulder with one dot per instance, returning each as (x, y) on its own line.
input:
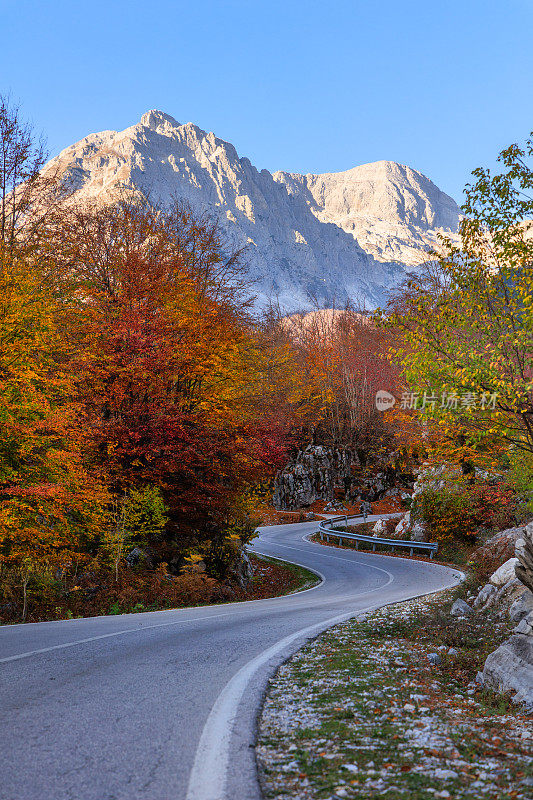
(312, 474)
(505, 573)
(510, 667)
(461, 609)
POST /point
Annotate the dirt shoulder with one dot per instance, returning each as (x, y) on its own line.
(268, 515)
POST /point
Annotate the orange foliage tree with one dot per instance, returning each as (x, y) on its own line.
(170, 371)
(344, 358)
(48, 503)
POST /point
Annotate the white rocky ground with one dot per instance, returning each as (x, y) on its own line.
(376, 709)
(333, 236)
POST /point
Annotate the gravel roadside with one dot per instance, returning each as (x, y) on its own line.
(388, 706)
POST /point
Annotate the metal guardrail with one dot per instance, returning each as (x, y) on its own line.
(325, 531)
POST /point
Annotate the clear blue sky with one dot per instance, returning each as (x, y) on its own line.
(298, 85)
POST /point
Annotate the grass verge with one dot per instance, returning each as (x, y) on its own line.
(297, 578)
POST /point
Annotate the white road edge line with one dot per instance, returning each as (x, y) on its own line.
(208, 776)
(209, 771)
(296, 564)
(207, 780)
(66, 645)
(335, 558)
(164, 624)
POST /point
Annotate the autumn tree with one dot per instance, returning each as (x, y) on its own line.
(467, 318)
(344, 358)
(170, 366)
(48, 503)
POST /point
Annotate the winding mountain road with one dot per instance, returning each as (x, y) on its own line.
(163, 705)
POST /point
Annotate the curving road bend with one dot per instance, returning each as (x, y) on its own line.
(163, 705)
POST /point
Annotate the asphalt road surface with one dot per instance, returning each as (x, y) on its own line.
(163, 705)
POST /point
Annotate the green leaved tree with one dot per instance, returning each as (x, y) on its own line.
(467, 317)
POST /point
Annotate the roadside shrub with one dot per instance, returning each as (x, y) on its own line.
(455, 551)
(447, 513)
(520, 478)
(222, 555)
(224, 551)
(243, 527)
(494, 506)
(145, 515)
(133, 520)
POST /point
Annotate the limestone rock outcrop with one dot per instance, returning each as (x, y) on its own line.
(402, 528)
(524, 554)
(504, 573)
(510, 667)
(312, 474)
(501, 546)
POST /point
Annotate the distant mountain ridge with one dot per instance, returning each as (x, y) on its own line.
(333, 237)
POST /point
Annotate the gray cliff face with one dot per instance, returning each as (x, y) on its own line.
(336, 236)
(524, 554)
(313, 474)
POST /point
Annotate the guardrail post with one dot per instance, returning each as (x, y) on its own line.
(411, 551)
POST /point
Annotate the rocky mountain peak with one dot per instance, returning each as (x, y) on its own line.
(330, 236)
(157, 120)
